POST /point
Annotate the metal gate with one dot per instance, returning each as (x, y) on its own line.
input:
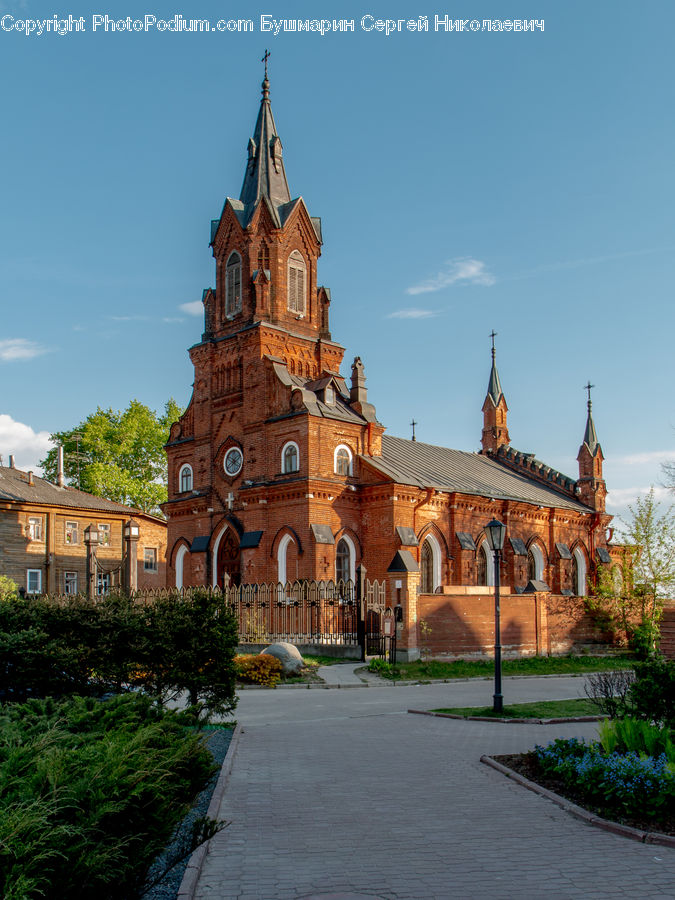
(374, 618)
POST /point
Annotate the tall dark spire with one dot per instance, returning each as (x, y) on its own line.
(494, 385)
(495, 431)
(590, 434)
(265, 174)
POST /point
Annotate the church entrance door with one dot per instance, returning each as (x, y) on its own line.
(229, 559)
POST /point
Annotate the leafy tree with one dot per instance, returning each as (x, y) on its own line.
(121, 454)
(8, 588)
(635, 601)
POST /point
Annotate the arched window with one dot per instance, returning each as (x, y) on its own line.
(180, 561)
(185, 479)
(579, 572)
(282, 558)
(233, 285)
(297, 283)
(426, 569)
(343, 460)
(535, 563)
(485, 565)
(289, 458)
(617, 580)
(345, 560)
(430, 565)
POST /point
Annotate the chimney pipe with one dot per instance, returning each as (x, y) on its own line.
(59, 470)
(11, 460)
(30, 478)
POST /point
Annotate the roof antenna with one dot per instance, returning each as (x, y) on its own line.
(413, 423)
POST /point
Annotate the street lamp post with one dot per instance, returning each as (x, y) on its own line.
(496, 533)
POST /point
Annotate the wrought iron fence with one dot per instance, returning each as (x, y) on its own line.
(301, 612)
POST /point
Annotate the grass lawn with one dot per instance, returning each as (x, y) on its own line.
(423, 670)
(544, 709)
(326, 660)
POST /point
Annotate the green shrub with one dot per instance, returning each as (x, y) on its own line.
(166, 646)
(91, 791)
(653, 694)
(637, 736)
(380, 666)
(259, 669)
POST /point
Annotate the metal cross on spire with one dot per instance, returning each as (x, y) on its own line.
(493, 335)
(588, 387)
(264, 59)
(413, 423)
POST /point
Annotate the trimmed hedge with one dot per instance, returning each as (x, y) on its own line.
(165, 646)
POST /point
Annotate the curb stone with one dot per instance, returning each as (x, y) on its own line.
(507, 721)
(188, 885)
(635, 834)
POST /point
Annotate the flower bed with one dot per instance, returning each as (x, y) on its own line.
(624, 787)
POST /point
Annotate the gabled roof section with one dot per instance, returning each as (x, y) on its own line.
(15, 488)
(427, 466)
(265, 174)
(310, 393)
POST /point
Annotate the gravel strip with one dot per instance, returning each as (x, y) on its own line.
(218, 742)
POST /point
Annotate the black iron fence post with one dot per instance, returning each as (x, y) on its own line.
(361, 610)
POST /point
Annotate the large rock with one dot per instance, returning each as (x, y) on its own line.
(288, 655)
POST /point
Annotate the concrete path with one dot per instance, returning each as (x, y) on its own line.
(341, 674)
(341, 793)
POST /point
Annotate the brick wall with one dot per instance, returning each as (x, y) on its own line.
(462, 624)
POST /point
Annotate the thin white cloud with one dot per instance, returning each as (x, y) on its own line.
(129, 318)
(622, 497)
(641, 459)
(194, 308)
(19, 349)
(26, 445)
(171, 320)
(587, 261)
(463, 270)
(412, 313)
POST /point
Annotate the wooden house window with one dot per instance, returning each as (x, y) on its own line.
(70, 582)
(150, 559)
(72, 533)
(34, 581)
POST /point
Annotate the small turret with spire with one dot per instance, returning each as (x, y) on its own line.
(591, 488)
(495, 431)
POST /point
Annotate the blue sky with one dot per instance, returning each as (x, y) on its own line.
(466, 181)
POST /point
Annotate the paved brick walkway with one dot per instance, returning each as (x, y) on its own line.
(343, 800)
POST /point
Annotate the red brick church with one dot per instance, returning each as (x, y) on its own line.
(280, 470)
